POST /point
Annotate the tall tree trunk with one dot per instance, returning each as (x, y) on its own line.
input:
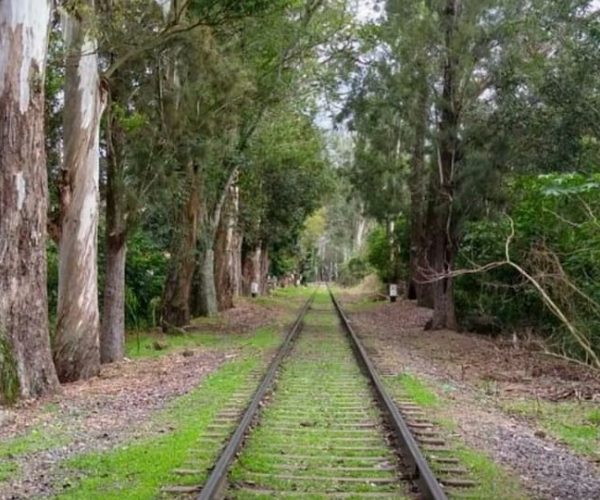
(112, 335)
(26, 367)
(226, 245)
(178, 287)
(236, 262)
(251, 268)
(360, 230)
(204, 297)
(112, 331)
(205, 293)
(443, 241)
(76, 345)
(265, 265)
(417, 287)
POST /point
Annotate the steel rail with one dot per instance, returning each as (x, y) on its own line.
(414, 460)
(218, 475)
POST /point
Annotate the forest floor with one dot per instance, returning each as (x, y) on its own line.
(521, 419)
(536, 415)
(136, 401)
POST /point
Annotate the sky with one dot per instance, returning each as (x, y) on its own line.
(366, 8)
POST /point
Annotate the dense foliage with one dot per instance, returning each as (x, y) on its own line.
(468, 121)
(204, 147)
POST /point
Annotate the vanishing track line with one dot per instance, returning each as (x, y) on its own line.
(320, 425)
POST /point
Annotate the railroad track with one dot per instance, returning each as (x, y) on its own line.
(320, 425)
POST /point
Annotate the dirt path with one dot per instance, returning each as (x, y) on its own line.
(461, 364)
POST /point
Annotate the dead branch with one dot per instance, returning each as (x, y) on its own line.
(554, 308)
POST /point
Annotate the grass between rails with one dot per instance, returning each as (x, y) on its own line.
(493, 481)
(138, 470)
(299, 447)
(575, 423)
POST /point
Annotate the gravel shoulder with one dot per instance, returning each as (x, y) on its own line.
(118, 406)
(462, 368)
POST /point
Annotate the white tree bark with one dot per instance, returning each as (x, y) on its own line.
(26, 367)
(76, 347)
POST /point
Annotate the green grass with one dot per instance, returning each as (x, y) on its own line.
(142, 344)
(309, 394)
(577, 424)
(416, 390)
(285, 298)
(138, 470)
(173, 343)
(363, 304)
(38, 439)
(492, 480)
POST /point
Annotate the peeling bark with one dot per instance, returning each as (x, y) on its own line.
(360, 231)
(76, 345)
(178, 288)
(26, 367)
(251, 269)
(227, 265)
(205, 296)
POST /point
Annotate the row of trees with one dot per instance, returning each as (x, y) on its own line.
(188, 120)
(461, 102)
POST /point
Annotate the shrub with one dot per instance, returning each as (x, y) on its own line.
(354, 271)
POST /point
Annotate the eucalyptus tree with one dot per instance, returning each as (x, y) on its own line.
(76, 342)
(409, 35)
(25, 360)
(279, 62)
(445, 53)
(274, 60)
(203, 132)
(129, 34)
(492, 55)
(380, 166)
(136, 159)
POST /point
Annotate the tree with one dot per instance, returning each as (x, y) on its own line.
(286, 184)
(381, 154)
(443, 244)
(135, 158)
(201, 129)
(76, 342)
(25, 360)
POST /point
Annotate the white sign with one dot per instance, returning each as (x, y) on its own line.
(254, 288)
(393, 290)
